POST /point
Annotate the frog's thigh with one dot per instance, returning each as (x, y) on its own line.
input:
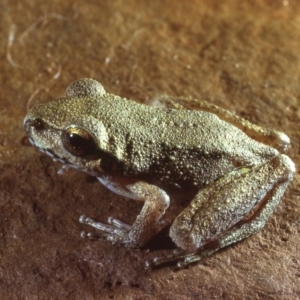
(234, 207)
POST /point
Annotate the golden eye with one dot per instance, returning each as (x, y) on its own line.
(79, 142)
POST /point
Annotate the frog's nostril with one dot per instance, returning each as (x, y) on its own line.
(38, 124)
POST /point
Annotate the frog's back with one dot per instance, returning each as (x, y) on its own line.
(168, 143)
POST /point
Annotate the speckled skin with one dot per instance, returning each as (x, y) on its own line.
(151, 154)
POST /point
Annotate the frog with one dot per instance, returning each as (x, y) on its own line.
(225, 174)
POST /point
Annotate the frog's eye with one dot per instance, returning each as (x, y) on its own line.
(79, 142)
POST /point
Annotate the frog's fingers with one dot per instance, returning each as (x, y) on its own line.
(118, 223)
(106, 228)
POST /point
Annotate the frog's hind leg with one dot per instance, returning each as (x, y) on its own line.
(240, 231)
(233, 208)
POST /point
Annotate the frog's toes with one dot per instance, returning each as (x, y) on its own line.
(173, 256)
(180, 257)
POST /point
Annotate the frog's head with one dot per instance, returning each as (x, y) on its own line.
(67, 130)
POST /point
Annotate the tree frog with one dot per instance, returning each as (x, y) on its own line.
(227, 173)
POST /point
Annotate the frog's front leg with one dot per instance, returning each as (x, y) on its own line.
(229, 210)
(147, 223)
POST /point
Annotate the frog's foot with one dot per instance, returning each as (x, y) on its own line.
(115, 231)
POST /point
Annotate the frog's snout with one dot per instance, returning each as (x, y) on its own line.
(36, 129)
(33, 126)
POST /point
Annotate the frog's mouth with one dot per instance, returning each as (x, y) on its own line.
(66, 163)
(50, 153)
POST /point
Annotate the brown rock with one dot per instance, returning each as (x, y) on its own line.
(241, 55)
